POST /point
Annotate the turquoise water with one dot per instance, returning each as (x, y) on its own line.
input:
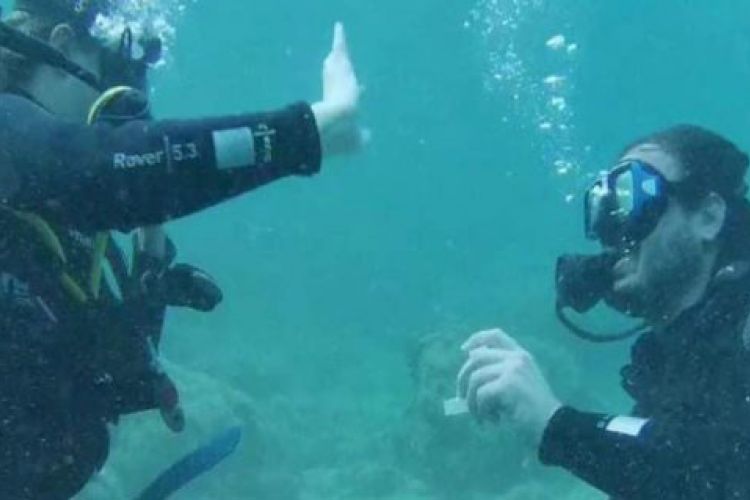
(347, 295)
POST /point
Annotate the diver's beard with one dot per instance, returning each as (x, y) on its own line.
(625, 295)
(630, 294)
(640, 305)
(631, 301)
(654, 302)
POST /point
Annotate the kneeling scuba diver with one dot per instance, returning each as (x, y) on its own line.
(75, 312)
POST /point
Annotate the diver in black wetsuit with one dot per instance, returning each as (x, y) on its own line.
(80, 155)
(674, 222)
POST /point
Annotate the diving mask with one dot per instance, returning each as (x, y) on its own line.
(624, 205)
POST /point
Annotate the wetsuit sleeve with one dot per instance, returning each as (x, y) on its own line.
(634, 458)
(145, 172)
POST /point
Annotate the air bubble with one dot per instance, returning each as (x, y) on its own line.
(557, 42)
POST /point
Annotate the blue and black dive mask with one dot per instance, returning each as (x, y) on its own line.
(625, 204)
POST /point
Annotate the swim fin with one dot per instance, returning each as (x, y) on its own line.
(193, 465)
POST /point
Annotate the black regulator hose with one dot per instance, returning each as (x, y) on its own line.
(598, 338)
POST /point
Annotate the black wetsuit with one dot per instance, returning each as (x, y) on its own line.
(68, 370)
(691, 385)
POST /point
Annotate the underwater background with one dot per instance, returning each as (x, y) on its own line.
(347, 295)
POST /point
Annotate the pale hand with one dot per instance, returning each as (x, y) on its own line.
(336, 113)
(501, 380)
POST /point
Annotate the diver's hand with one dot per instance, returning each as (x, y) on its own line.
(336, 113)
(502, 380)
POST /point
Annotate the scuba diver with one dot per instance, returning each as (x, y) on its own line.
(674, 224)
(80, 156)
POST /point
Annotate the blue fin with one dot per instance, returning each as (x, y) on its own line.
(193, 465)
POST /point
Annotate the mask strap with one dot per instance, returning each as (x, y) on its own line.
(32, 48)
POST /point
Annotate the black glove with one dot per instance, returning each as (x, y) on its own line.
(183, 285)
(177, 285)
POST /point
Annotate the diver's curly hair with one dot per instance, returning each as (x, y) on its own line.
(715, 164)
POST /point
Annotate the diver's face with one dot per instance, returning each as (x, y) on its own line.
(660, 265)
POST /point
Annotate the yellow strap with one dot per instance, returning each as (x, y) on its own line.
(51, 242)
(73, 288)
(101, 239)
(105, 99)
(49, 238)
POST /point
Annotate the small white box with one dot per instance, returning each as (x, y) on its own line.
(455, 406)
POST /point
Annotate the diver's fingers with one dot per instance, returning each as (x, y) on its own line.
(353, 139)
(490, 399)
(485, 338)
(339, 39)
(338, 65)
(478, 358)
(495, 337)
(478, 379)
